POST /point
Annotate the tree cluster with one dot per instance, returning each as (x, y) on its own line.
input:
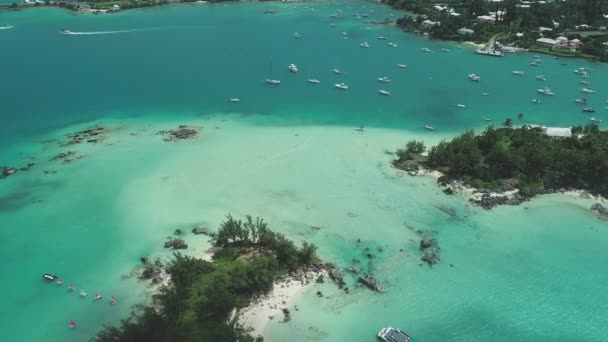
(198, 303)
(536, 161)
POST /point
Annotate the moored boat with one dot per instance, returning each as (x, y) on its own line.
(540, 78)
(234, 99)
(313, 80)
(581, 100)
(391, 44)
(461, 106)
(546, 91)
(425, 50)
(518, 72)
(384, 79)
(390, 334)
(402, 66)
(474, 77)
(341, 86)
(384, 92)
(49, 277)
(364, 45)
(589, 110)
(293, 68)
(429, 127)
(587, 91)
(359, 128)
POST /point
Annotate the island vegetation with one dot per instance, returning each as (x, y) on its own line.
(198, 303)
(523, 159)
(516, 23)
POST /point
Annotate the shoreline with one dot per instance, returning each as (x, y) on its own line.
(262, 310)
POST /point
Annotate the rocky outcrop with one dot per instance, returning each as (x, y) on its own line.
(92, 135)
(176, 244)
(489, 201)
(430, 250)
(153, 271)
(370, 282)
(27, 167)
(335, 274)
(178, 232)
(200, 230)
(601, 210)
(183, 132)
(67, 157)
(6, 171)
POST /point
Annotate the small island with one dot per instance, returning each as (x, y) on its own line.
(510, 165)
(202, 299)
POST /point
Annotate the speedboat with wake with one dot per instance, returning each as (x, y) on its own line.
(6, 27)
(65, 31)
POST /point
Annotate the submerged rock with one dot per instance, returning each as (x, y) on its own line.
(430, 250)
(176, 244)
(178, 232)
(370, 282)
(200, 230)
(183, 132)
(487, 201)
(335, 274)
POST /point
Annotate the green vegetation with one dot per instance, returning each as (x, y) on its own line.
(511, 20)
(525, 157)
(198, 303)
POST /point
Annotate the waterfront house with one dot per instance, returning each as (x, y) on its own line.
(427, 24)
(546, 42)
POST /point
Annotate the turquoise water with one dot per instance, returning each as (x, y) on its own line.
(288, 154)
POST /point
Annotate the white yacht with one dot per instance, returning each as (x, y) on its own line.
(338, 71)
(313, 81)
(390, 334)
(402, 66)
(518, 72)
(474, 77)
(293, 68)
(425, 50)
(384, 79)
(546, 91)
(587, 91)
(273, 82)
(234, 99)
(384, 92)
(429, 127)
(391, 44)
(382, 38)
(461, 106)
(364, 45)
(341, 86)
(540, 78)
(359, 129)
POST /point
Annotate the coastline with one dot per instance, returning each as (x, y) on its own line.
(268, 308)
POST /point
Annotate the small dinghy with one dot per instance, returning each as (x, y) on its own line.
(49, 277)
(73, 324)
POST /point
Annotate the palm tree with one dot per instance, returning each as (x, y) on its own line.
(508, 123)
(520, 117)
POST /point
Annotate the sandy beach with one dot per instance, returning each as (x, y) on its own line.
(269, 308)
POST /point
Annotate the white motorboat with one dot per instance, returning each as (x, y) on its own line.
(537, 101)
(293, 68)
(595, 120)
(344, 34)
(461, 106)
(65, 31)
(534, 63)
(403, 66)
(296, 35)
(518, 72)
(384, 79)
(390, 334)
(364, 45)
(487, 119)
(429, 127)
(384, 92)
(313, 81)
(474, 77)
(338, 72)
(581, 100)
(341, 86)
(382, 38)
(425, 50)
(6, 27)
(589, 110)
(585, 82)
(234, 99)
(359, 129)
(391, 44)
(587, 91)
(540, 78)
(546, 91)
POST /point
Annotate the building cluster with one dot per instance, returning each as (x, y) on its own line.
(562, 43)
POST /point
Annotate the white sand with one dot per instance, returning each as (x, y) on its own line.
(269, 308)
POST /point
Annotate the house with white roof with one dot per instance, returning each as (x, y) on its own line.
(558, 132)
